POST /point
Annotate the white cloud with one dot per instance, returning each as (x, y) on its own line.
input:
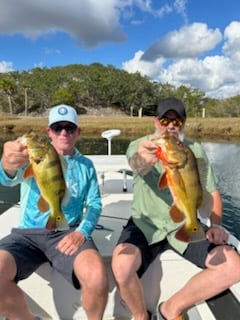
(144, 67)
(202, 73)
(90, 22)
(189, 42)
(180, 6)
(231, 47)
(6, 66)
(51, 51)
(182, 58)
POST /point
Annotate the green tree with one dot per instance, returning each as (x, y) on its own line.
(8, 88)
(62, 95)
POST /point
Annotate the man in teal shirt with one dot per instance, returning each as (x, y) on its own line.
(151, 230)
(71, 252)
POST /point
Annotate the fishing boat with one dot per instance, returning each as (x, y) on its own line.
(51, 297)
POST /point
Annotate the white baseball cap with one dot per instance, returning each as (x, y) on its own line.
(63, 112)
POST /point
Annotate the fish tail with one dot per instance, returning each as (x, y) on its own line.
(58, 222)
(187, 235)
(61, 222)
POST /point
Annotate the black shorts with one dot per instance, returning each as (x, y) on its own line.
(196, 252)
(32, 247)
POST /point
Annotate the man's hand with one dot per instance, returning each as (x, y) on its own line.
(147, 151)
(143, 160)
(71, 242)
(15, 155)
(217, 235)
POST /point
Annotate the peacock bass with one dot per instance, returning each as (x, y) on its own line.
(181, 176)
(46, 167)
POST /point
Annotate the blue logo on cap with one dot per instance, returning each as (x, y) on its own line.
(62, 111)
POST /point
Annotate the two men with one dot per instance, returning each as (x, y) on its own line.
(150, 230)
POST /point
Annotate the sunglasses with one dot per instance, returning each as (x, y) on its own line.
(176, 122)
(69, 128)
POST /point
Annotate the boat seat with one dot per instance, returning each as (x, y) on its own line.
(114, 173)
(115, 181)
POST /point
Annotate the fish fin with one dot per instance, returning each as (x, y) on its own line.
(28, 172)
(161, 155)
(186, 235)
(42, 204)
(162, 183)
(51, 224)
(63, 163)
(176, 214)
(61, 222)
(182, 235)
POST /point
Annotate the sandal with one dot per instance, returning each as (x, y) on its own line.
(182, 316)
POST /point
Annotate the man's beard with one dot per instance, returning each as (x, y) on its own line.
(180, 135)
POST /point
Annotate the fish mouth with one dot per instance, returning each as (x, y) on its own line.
(22, 140)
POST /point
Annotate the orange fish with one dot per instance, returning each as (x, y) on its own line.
(181, 176)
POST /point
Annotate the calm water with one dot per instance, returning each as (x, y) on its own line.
(225, 158)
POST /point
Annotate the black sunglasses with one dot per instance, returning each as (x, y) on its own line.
(58, 127)
(176, 122)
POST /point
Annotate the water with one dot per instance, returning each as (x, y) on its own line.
(225, 158)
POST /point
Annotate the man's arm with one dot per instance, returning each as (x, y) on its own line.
(216, 233)
(216, 216)
(93, 206)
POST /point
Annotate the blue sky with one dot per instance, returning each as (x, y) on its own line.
(182, 42)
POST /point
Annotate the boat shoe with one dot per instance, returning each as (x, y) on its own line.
(182, 316)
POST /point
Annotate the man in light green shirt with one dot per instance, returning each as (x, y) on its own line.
(148, 196)
(151, 229)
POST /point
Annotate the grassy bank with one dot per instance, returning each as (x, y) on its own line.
(131, 127)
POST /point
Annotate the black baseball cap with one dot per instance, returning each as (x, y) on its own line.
(171, 104)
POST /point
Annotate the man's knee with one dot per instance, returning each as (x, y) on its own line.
(224, 257)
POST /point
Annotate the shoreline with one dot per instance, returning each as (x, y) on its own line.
(224, 129)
